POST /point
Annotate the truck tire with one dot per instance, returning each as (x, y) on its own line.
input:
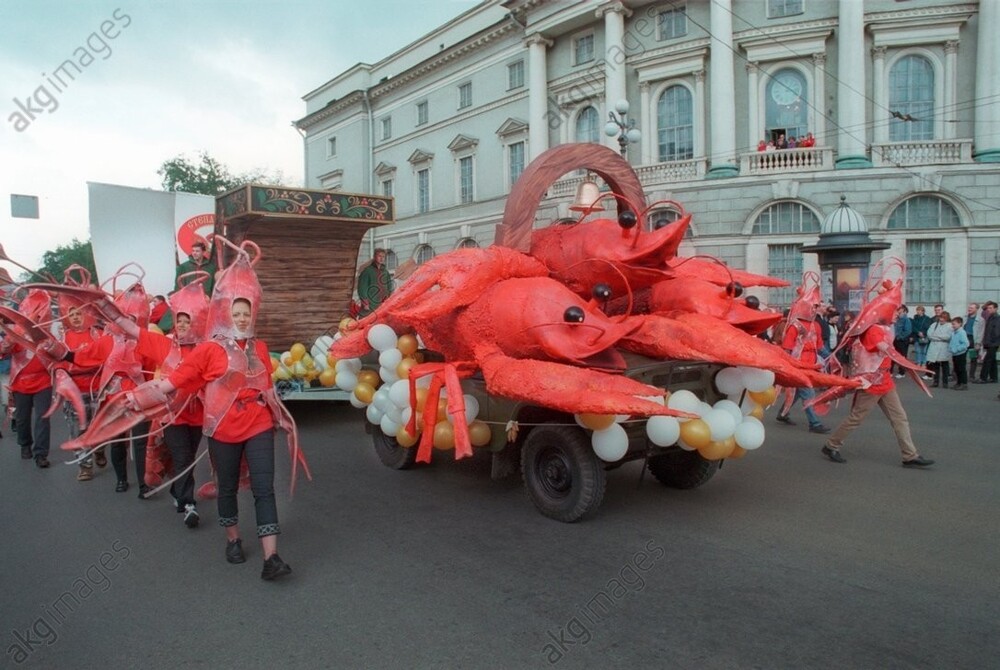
(390, 453)
(564, 478)
(682, 469)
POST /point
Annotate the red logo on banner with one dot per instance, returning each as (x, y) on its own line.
(201, 227)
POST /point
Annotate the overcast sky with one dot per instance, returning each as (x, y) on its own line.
(162, 78)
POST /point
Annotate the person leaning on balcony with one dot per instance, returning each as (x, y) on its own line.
(769, 146)
(782, 143)
(762, 145)
(807, 141)
(791, 142)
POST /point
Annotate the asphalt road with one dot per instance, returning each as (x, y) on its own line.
(783, 560)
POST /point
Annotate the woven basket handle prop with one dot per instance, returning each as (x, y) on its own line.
(538, 177)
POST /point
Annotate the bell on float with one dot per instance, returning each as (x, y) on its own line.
(588, 196)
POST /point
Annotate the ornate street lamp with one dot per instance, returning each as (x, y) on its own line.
(617, 125)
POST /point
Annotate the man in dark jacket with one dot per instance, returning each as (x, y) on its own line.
(902, 334)
(991, 340)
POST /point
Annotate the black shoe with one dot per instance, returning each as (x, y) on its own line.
(978, 381)
(143, 490)
(121, 486)
(918, 462)
(234, 552)
(783, 418)
(26, 453)
(833, 455)
(274, 567)
(819, 428)
(42, 462)
(191, 517)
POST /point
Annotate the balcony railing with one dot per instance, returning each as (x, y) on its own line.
(811, 159)
(672, 171)
(925, 152)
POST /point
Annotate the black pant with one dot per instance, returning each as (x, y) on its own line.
(33, 432)
(903, 347)
(182, 441)
(137, 437)
(961, 378)
(226, 457)
(942, 370)
(989, 371)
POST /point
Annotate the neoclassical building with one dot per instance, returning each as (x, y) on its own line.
(900, 99)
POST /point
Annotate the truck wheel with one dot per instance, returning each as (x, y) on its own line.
(682, 469)
(390, 453)
(562, 475)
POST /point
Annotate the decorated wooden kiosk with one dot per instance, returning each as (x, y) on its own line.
(309, 242)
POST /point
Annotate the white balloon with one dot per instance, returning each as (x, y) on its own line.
(729, 381)
(356, 402)
(684, 401)
(374, 414)
(733, 409)
(404, 416)
(621, 418)
(349, 364)
(382, 337)
(750, 433)
(381, 399)
(320, 362)
(684, 445)
(747, 405)
(703, 409)
(395, 414)
(399, 393)
(663, 431)
(389, 427)
(388, 375)
(610, 444)
(390, 358)
(721, 423)
(471, 409)
(337, 336)
(347, 380)
(756, 379)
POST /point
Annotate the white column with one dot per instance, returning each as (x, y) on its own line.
(987, 129)
(722, 91)
(538, 117)
(647, 126)
(851, 145)
(755, 130)
(818, 112)
(614, 15)
(880, 90)
(950, 89)
(700, 118)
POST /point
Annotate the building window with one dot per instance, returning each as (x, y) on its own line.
(924, 211)
(671, 23)
(674, 123)
(423, 190)
(583, 49)
(466, 185)
(786, 218)
(587, 125)
(924, 271)
(465, 95)
(467, 243)
(784, 261)
(515, 159)
(387, 128)
(423, 253)
(421, 113)
(778, 8)
(386, 188)
(664, 217)
(785, 110)
(911, 92)
(391, 262)
(515, 75)
(331, 147)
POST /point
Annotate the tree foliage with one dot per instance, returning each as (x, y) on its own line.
(56, 261)
(208, 176)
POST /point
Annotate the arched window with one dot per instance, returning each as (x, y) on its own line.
(467, 243)
(911, 91)
(423, 253)
(587, 125)
(674, 124)
(924, 211)
(391, 262)
(786, 218)
(784, 261)
(662, 217)
(786, 111)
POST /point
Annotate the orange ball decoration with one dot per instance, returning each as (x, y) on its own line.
(764, 398)
(331, 360)
(364, 392)
(369, 377)
(444, 436)
(298, 350)
(719, 449)
(404, 438)
(403, 369)
(738, 452)
(442, 409)
(479, 434)
(328, 377)
(757, 412)
(596, 421)
(696, 433)
(407, 345)
(421, 399)
(346, 324)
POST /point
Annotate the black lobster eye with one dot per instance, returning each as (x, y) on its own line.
(627, 219)
(573, 314)
(752, 301)
(601, 291)
(734, 289)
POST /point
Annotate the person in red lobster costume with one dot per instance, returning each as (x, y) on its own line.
(803, 338)
(81, 331)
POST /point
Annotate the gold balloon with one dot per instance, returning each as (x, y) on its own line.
(298, 350)
(328, 377)
(696, 433)
(404, 438)
(764, 398)
(718, 449)
(738, 452)
(442, 409)
(444, 436)
(369, 377)
(421, 399)
(331, 360)
(596, 421)
(757, 412)
(407, 345)
(479, 434)
(403, 369)
(346, 324)
(364, 392)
